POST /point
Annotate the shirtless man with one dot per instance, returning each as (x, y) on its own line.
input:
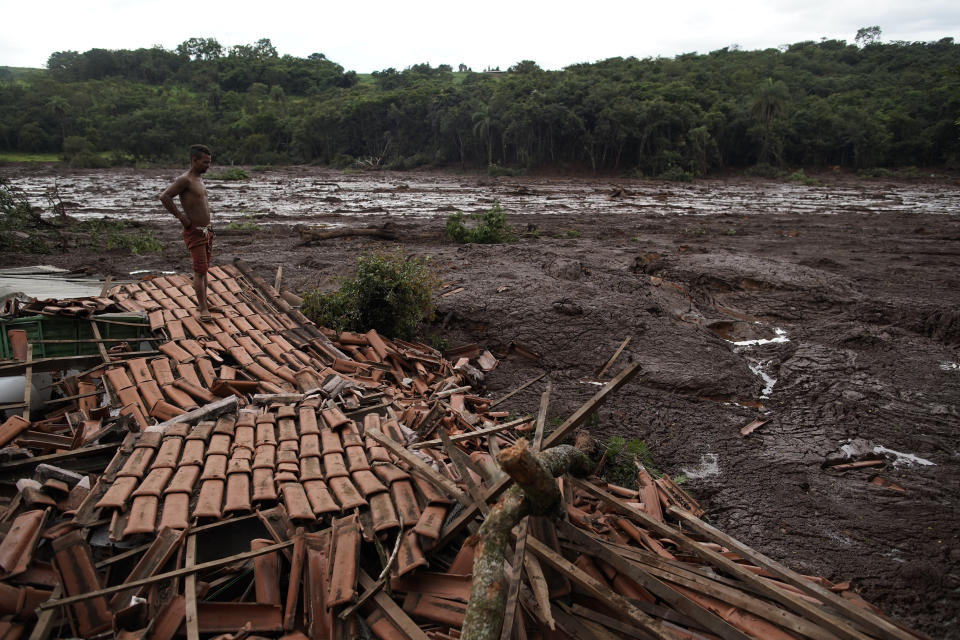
(195, 218)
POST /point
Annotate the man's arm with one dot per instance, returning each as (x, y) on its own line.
(179, 185)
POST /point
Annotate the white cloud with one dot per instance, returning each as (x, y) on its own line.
(378, 34)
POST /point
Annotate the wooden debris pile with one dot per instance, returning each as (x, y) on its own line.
(258, 476)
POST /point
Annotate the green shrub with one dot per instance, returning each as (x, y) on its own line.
(496, 171)
(21, 227)
(676, 174)
(388, 293)
(113, 234)
(233, 173)
(875, 172)
(619, 458)
(800, 176)
(491, 229)
(763, 170)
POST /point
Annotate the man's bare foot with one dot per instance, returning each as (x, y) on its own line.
(206, 316)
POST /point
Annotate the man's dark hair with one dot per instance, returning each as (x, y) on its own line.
(199, 150)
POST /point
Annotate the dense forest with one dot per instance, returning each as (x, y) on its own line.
(813, 104)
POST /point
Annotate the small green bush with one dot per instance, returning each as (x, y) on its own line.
(676, 174)
(801, 177)
(763, 170)
(875, 172)
(496, 171)
(21, 227)
(619, 456)
(389, 293)
(113, 234)
(233, 173)
(491, 229)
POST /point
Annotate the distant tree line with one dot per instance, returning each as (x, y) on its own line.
(868, 104)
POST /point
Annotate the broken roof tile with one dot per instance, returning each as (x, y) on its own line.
(406, 501)
(410, 556)
(345, 552)
(431, 521)
(78, 576)
(16, 550)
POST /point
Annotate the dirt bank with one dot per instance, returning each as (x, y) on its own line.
(847, 310)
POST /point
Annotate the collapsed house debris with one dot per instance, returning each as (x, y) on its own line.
(259, 476)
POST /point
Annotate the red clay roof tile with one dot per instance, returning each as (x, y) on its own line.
(263, 485)
(131, 396)
(295, 499)
(136, 465)
(333, 466)
(383, 513)
(210, 499)
(238, 493)
(207, 372)
(193, 449)
(357, 458)
(431, 521)
(334, 417)
(118, 378)
(346, 494)
(16, 550)
(265, 457)
(189, 373)
(367, 483)
(168, 454)
(163, 410)
(287, 429)
(215, 467)
(116, 496)
(219, 444)
(310, 445)
(139, 370)
(330, 441)
(410, 556)
(78, 576)
(430, 492)
(155, 482)
(319, 496)
(266, 572)
(183, 480)
(283, 477)
(178, 397)
(150, 393)
(406, 501)
(345, 552)
(389, 472)
(175, 330)
(142, 517)
(308, 421)
(310, 468)
(174, 351)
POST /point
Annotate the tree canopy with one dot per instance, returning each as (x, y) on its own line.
(826, 103)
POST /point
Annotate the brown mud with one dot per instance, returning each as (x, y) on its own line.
(846, 294)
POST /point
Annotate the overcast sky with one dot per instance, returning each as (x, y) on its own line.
(371, 35)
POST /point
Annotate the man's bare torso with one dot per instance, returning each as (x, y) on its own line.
(193, 199)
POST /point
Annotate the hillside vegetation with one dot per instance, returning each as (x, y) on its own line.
(865, 105)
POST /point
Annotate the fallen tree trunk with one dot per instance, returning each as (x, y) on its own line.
(309, 235)
(535, 493)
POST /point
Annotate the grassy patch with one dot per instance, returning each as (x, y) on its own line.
(247, 222)
(389, 293)
(22, 230)
(17, 156)
(619, 458)
(113, 234)
(490, 227)
(801, 177)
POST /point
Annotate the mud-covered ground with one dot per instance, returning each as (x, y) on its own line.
(844, 295)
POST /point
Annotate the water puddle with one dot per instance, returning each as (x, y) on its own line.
(780, 337)
(707, 468)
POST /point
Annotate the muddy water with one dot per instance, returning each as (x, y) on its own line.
(305, 194)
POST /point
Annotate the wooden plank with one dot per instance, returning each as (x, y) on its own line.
(709, 621)
(459, 460)
(868, 619)
(444, 484)
(192, 621)
(99, 338)
(623, 345)
(45, 620)
(392, 610)
(479, 433)
(517, 390)
(801, 607)
(28, 383)
(598, 590)
(158, 552)
(542, 417)
(160, 577)
(575, 420)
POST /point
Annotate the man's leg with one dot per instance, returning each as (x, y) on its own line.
(200, 286)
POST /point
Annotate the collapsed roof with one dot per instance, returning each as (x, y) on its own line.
(258, 475)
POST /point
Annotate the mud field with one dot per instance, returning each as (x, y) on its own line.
(832, 311)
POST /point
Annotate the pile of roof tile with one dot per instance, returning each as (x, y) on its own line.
(270, 478)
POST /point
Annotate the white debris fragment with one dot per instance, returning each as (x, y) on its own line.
(902, 458)
(781, 336)
(757, 369)
(950, 366)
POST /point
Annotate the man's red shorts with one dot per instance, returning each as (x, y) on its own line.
(200, 245)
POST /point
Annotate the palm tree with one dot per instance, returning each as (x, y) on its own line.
(483, 126)
(769, 103)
